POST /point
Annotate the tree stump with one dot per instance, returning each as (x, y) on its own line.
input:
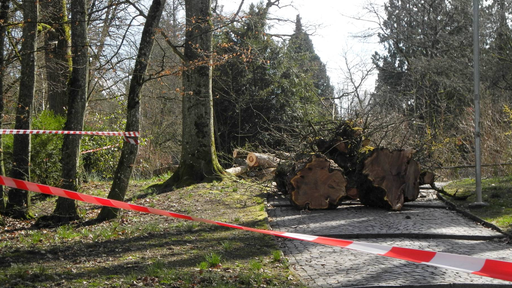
(317, 184)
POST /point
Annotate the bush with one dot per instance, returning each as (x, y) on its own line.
(45, 149)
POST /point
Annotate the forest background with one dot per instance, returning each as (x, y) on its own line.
(271, 92)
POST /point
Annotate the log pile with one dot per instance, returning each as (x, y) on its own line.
(342, 167)
(377, 177)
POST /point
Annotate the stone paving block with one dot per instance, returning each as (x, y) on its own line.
(327, 266)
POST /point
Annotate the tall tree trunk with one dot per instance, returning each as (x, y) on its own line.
(57, 54)
(129, 151)
(198, 157)
(66, 209)
(4, 15)
(19, 200)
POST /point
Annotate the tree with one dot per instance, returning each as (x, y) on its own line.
(265, 91)
(4, 15)
(301, 48)
(19, 201)
(66, 209)
(57, 54)
(243, 102)
(425, 72)
(129, 152)
(198, 161)
(497, 56)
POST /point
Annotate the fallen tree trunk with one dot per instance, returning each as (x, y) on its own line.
(392, 178)
(262, 160)
(318, 183)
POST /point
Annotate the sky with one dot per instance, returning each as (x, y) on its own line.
(333, 26)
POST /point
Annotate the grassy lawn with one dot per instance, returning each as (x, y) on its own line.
(149, 250)
(497, 192)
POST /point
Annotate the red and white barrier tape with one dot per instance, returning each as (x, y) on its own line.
(484, 267)
(99, 149)
(131, 137)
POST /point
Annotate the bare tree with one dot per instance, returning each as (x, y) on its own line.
(19, 200)
(66, 209)
(129, 152)
(57, 54)
(4, 14)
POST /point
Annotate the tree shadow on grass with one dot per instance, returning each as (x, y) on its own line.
(132, 256)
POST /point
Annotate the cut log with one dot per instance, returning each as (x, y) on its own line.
(237, 171)
(318, 184)
(387, 171)
(262, 160)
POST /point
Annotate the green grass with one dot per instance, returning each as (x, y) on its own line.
(148, 250)
(497, 192)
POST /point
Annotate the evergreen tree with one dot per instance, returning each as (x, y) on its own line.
(301, 49)
(425, 73)
(264, 91)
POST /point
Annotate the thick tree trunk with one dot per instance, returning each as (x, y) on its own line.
(394, 178)
(317, 184)
(66, 209)
(129, 151)
(57, 54)
(19, 200)
(4, 14)
(198, 161)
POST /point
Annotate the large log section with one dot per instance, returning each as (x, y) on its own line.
(392, 179)
(318, 183)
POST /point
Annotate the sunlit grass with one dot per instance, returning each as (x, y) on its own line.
(497, 192)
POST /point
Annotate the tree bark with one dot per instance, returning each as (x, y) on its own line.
(129, 151)
(19, 200)
(66, 209)
(57, 54)
(198, 161)
(4, 15)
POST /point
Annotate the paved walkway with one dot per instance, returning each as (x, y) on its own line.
(423, 224)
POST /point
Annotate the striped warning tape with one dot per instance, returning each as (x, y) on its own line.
(484, 267)
(131, 137)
